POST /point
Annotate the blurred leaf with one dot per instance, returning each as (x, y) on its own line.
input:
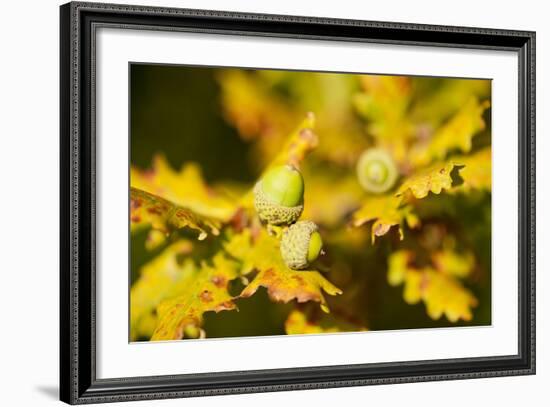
(205, 290)
(456, 134)
(165, 216)
(297, 145)
(385, 99)
(250, 105)
(447, 97)
(386, 211)
(384, 103)
(160, 279)
(432, 179)
(449, 262)
(260, 252)
(185, 188)
(256, 111)
(302, 322)
(328, 96)
(476, 173)
(428, 125)
(440, 291)
(330, 196)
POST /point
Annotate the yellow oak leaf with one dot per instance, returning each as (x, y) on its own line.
(330, 197)
(161, 278)
(456, 134)
(257, 112)
(444, 295)
(385, 98)
(452, 263)
(205, 290)
(341, 134)
(446, 99)
(439, 289)
(185, 188)
(384, 103)
(298, 144)
(386, 211)
(476, 173)
(250, 106)
(303, 322)
(165, 216)
(261, 252)
(433, 179)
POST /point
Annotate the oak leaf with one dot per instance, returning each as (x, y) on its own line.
(436, 178)
(163, 277)
(456, 134)
(206, 290)
(439, 289)
(165, 216)
(302, 322)
(261, 253)
(386, 211)
(185, 187)
(476, 174)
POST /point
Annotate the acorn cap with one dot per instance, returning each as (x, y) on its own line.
(278, 196)
(376, 170)
(301, 244)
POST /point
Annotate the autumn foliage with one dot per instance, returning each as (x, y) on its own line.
(415, 255)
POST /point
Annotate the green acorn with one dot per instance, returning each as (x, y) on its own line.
(301, 244)
(376, 170)
(279, 195)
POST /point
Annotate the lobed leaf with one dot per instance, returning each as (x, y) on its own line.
(298, 144)
(185, 187)
(165, 216)
(433, 179)
(259, 114)
(449, 262)
(260, 252)
(251, 107)
(456, 134)
(206, 290)
(384, 103)
(386, 211)
(302, 322)
(476, 173)
(446, 99)
(439, 289)
(161, 278)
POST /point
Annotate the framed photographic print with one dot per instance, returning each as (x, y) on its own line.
(256, 203)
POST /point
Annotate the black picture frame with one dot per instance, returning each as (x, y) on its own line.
(78, 382)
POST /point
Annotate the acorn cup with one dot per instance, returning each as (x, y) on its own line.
(376, 171)
(301, 245)
(279, 196)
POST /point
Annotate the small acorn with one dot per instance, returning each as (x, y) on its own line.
(279, 195)
(301, 244)
(376, 170)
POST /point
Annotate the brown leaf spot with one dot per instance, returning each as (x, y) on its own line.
(239, 220)
(219, 281)
(135, 204)
(299, 280)
(206, 296)
(154, 210)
